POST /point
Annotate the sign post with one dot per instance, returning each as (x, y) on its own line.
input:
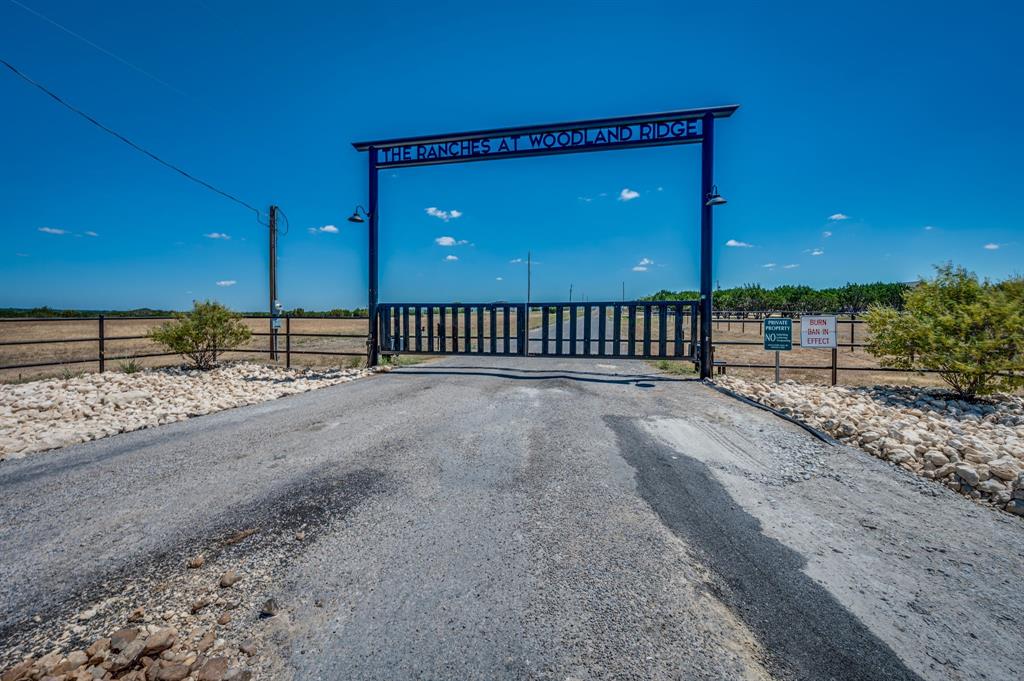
(778, 336)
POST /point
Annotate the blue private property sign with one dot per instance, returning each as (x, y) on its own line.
(778, 333)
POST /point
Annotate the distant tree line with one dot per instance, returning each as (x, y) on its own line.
(72, 314)
(336, 312)
(150, 312)
(851, 298)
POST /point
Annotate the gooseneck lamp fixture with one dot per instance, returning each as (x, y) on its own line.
(714, 198)
(356, 217)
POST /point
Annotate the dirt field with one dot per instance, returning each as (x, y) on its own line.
(861, 368)
(121, 342)
(867, 368)
(78, 343)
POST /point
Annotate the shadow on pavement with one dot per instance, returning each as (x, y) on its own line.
(538, 374)
(805, 630)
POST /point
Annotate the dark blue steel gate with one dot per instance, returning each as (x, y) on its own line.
(451, 328)
(624, 330)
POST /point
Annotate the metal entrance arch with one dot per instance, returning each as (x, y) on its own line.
(686, 126)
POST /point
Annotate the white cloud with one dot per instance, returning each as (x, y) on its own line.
(628, 194)
(499, 279)
(817, 251)
(330, 229)
(52, 230)
(733, 243)
(769, 265)
(790, 267)
(91, 233)
(838, 216)
(585, 199)
(445, 215)
(991, 247)
(661, 189)
(450, 258)
(226, 282)
(516, 261)
(643, 265)
(217, 235)
(826, 234)
(449, 241)
(928, 228)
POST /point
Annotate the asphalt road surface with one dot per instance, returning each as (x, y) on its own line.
(507, 518)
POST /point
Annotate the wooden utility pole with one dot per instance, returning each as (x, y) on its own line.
(273, 282)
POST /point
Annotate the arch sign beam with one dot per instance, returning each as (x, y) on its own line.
(685, 126)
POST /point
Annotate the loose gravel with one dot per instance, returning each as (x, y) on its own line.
(53, 413)
(974, 448)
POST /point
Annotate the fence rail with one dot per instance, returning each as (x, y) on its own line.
(723, 321)
(101, 339)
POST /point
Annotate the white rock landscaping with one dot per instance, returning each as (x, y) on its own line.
(52, 413)
(976, 449)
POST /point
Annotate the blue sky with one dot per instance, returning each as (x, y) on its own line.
(873, 140)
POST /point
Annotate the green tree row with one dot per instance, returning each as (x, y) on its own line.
(49, 312)
(799, 299)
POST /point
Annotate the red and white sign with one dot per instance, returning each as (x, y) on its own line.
(818, 331)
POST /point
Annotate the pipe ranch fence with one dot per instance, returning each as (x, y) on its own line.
(103, 339)
(857, 333)
(655, 331)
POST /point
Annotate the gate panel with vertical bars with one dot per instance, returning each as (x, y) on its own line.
(452, 328)
(622, 330)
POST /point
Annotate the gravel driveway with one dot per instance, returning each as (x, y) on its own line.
(506, 518)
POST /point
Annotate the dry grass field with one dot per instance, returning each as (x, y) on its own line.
(121, 341)
(866, 368)
(77, 342)
(738, 342)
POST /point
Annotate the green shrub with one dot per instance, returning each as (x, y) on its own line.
(130, 366)
(971, 332)
(203, 334)
(67, 373)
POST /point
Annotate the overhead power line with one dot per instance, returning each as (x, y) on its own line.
(130, 143)
(95, 46)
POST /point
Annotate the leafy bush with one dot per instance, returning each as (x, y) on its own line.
(971, 332)
(203, 334)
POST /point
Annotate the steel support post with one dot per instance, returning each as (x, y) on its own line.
(372, 344)
(707, 147)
